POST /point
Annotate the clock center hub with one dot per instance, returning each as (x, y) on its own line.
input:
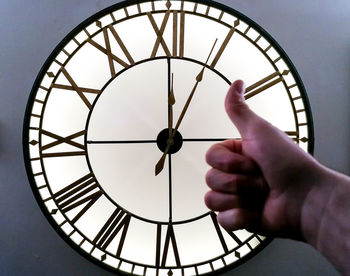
(163, 141)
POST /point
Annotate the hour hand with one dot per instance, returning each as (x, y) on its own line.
(160, 165)
(171, 95)
(171, 102)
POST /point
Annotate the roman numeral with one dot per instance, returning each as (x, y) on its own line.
(224, 44)
(220, 235)
(79, 90)
(159, 33)
(181, 42)
(161, 255)
(178, 46)
(61, 140)
(264, 84)
(108, 51)
(79, 192)
(182, 34)
(175, 33)
(118, 221)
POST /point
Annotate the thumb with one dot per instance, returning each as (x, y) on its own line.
(238, 111)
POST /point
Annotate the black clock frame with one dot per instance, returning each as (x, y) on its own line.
(73, 33)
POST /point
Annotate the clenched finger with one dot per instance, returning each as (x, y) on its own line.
(221, 158)
(221, 201)
(239, 218)
(220, 181)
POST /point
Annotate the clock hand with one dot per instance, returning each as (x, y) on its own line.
(160, 165)
(198, 80)
(171, 102)
(170, 141)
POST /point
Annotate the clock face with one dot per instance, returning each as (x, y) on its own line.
(140, 87)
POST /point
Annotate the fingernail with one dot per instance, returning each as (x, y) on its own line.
(239, 85)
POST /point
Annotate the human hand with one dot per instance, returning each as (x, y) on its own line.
(261, 182)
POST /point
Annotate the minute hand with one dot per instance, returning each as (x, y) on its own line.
(198, 80)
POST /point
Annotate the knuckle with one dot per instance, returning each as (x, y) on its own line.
(239, 217)
(262, 185)
(246, 165)
(237, 183)
(226, 162)
(230, 184)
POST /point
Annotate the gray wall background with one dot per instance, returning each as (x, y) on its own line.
(314, 33)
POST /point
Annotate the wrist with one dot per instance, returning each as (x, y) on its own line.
(325, 217)
(314, 208)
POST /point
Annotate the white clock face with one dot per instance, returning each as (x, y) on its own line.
(99, 118)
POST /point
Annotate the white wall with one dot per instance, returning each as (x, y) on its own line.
(314, 33)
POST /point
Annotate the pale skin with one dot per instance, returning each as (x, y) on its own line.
(266, 184)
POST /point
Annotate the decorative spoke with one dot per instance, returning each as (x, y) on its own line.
(170, 191)
(122, 142)
(207, 139)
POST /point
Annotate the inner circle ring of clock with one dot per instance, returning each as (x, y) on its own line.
(163, 138)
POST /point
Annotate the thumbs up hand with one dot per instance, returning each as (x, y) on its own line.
(262, 181)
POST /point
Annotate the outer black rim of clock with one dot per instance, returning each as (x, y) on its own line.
(75, 31)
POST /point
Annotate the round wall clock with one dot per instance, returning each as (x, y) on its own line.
(119, 120)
